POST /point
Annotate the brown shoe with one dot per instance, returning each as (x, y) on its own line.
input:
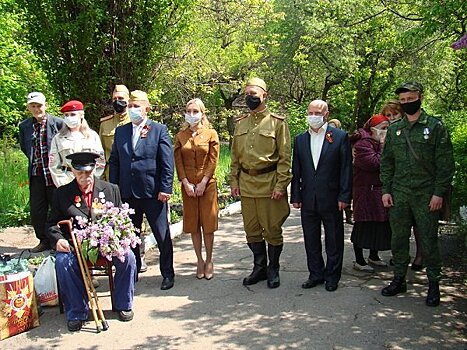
(42, 246)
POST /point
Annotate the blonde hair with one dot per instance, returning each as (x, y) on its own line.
(204, 123)
(83, 128)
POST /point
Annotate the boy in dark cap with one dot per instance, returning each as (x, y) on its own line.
(417, 167)
(75, 199)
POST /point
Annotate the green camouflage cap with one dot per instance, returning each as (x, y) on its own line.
(409, 86)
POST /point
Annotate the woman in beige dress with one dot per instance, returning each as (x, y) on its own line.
(196, 156)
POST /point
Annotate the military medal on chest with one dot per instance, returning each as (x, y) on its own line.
(426, 133)
(102, 197)
(398, 132)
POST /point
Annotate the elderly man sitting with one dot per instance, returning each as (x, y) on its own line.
(70, 201)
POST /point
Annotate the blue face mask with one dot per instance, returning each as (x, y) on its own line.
(136, 114)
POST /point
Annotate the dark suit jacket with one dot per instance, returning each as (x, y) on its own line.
(148, 169)
(26, 130)
(64, 206)
(321, 189)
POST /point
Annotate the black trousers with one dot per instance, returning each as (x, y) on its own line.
(334, 240)
(156, 214)
(40, 201)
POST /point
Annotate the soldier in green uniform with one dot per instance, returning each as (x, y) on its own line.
(109, 123)
(260, 174)
(413, 188)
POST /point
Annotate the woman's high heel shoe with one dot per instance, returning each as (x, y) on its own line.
(200, 271)
(209, 271)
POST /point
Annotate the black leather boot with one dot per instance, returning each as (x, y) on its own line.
(274, 252)
(432, 299)
(398, 285)
(260, 264)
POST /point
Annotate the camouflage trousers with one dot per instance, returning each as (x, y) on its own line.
(409, 211)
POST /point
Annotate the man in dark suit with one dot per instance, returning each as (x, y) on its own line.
(72, 200)
(141, 164)
(35, 136)
(322, 188)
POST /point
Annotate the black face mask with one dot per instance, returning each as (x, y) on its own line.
(119, 106)
(411, 108)
(252, 102)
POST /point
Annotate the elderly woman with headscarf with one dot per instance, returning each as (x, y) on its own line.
(371, 229)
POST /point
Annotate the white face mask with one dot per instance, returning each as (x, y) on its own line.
(136, 114)
(72, 121)
(315, 121)
(379, 134)
(193, 119)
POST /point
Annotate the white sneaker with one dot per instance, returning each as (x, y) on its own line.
(364, 268)
(380, 263)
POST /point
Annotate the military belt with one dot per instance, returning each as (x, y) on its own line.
(254, 172)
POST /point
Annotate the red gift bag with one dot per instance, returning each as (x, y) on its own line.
(18, 305)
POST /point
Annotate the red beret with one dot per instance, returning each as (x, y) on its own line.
(376, 119)
(71, 106)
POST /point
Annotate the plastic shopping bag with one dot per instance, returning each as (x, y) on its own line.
(45, 282)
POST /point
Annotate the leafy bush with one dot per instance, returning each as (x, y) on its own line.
(458, 129)
(14, 190)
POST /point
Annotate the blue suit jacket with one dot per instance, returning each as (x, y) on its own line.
(320, 189)
(148, 169)
(54, 124)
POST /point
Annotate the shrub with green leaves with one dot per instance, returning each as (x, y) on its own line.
(14, 186)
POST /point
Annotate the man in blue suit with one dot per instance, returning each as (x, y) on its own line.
(322, 188)
(35, 137)
(141, 164)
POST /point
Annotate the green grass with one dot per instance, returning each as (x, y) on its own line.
(14, 186)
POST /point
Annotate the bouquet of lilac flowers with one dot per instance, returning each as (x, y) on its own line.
(112, 233)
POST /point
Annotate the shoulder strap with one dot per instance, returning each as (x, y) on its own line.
(417, 158)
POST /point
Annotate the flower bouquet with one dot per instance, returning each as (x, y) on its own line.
(112, 233)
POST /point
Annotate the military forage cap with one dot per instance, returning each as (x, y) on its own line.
(139, 95)
(409, 86)
(257, 82)
(122, 88)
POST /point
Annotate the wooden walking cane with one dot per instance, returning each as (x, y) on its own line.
(96, 310)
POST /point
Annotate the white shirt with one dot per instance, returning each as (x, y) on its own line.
(316, 142)
(137, 132)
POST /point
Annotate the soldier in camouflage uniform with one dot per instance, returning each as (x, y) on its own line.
(260, 174)
(413, 189)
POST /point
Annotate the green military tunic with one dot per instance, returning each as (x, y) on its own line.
(106, 134)
(412, 186)
(261, 141)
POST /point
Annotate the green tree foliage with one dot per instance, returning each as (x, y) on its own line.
(87, 47)
(20, 72)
